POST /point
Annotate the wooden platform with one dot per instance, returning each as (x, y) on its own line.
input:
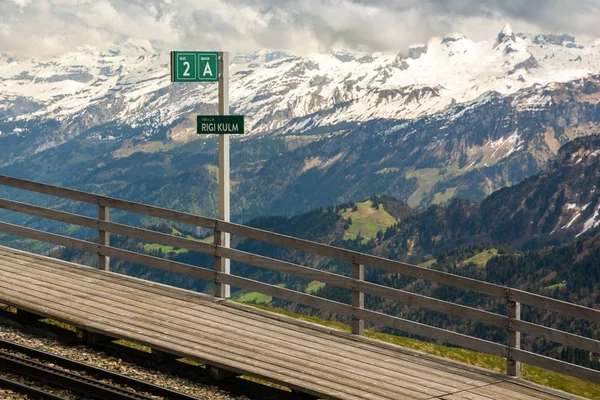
(303, 356)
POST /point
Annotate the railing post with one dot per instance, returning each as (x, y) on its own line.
(513, 338)
(222, 290)
(103, 238)
(358, 299)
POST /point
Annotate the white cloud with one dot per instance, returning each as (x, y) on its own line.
(47, 27)
(21, 3)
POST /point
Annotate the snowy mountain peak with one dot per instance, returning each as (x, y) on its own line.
(281, 92)
(507, 30)
(258, 56)
(6, 59)
(133, 47)
(506, 34)
(455, 37)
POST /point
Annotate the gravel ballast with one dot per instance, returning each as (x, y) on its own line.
(97, 358)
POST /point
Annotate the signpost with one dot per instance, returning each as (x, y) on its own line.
(212, 66)
(195, 66)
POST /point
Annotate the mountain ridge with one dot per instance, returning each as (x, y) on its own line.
(330, 128)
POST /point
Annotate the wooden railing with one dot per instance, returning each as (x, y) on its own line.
(356, 311)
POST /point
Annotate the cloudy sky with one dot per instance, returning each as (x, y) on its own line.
(43, 28)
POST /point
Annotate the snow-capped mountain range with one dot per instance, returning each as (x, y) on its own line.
(280, 92)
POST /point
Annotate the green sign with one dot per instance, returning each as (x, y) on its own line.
(194, 66)
(221, 124)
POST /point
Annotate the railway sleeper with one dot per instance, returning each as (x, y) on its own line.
(219, 374)
(25, 317)
(92, 338)
(160, 358)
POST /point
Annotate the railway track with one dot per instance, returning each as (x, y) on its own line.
(200, 376)
(31, 392)
(67, 378)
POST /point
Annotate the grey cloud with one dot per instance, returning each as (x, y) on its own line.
(47, 27)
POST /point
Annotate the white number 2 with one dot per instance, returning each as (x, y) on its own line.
(187, 68)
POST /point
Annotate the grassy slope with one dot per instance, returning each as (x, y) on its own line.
(428, 264)
(314, 286)
(165, 249)
(482, 258)
(537, 375)
(367, 220)
(443, 197)
(256, 297)
(558, 286)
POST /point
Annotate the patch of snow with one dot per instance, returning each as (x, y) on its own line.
(567, 226)
(313, 90)
(571, 206)
(591, 223)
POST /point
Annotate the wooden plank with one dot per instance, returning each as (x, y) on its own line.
(49, 189)
(401, 324)
(556, 365)
(125, 255)
(243, 365)
(313, 247)
(241, 332)
(50, 238)
(159, 263)
(264, 262)
(285, 294)
(185, 312)
(541, 393)
(554, 335)
(528, 326)
(147, 330)
(360, 378)
(330, 335)
(301, 298)
(445, 336)
(283, 240)
(563, 307)
(430, 303)
(285, 267)
(497, 394)
(107, 226)
(124, 205)
(196, 297)
(514, 390)
(372, 261)
(457, 310)
(291, 331)
(466, 396)
(121, 318)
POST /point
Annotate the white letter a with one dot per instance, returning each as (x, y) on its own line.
(207, 70)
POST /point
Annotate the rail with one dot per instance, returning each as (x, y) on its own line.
(511, 322)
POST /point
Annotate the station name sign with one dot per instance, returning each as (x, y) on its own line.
(220, 124)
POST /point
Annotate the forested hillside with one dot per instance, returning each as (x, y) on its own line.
(555, 252)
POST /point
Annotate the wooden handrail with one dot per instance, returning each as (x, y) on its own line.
(356, 311)
(339, 253)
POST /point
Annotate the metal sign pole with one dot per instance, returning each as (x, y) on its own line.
(222, 290)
